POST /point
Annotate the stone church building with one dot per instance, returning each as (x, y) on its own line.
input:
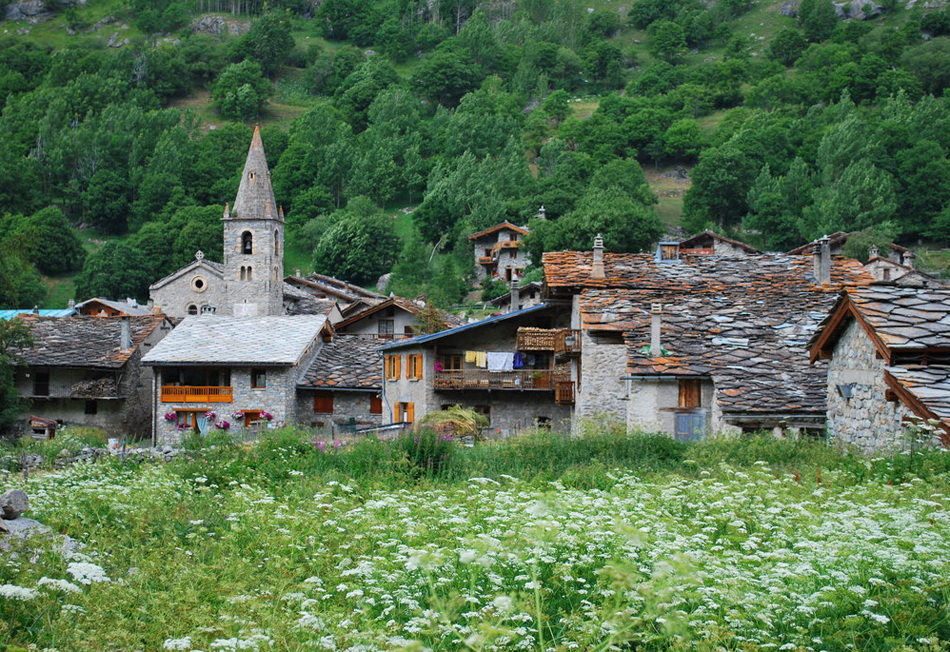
(250, 281)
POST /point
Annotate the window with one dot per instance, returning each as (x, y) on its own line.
(247, 243)
(690, 393)
(246, 273)
(192, 309)
(414, 366)
(92, 407)
(393, 367)
(385, 328)
(405, 412)
(887, 274)
(375, 405)
(198, 284)
(276, 243)
(252, 419)
(323, 402)
(188, 419)
(451, 362)
(258, 378)
(40, 383)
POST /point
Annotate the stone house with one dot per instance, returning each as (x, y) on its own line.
(244, 370)
(86, 371)
(903, 273)
(692, 344)
(343, 385)
(710, 243)
(499, 253)
(888, 353)
(395, 318)
(519, 296)
(515, 369)
(250, 280)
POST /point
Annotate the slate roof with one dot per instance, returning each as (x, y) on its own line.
(743, 321)
(899, 320)
(86, 342)
(255, 196)
(320, 284)
(498, 227)
(447, 318)
(227, 340)
(699, 238)
(838, 240)
(121, 306)
(346, 362)
(300, 302)
(930, 386)
(572, 269)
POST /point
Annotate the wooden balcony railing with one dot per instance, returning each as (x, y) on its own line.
(567, 340)
(535, 339)
(485, 260)
(544, 380)
(196, 394)
(564, 392)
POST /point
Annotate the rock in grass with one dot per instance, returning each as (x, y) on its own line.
(13, 503)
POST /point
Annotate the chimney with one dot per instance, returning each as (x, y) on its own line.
(515, 302)
(36, 310)
(656, 310)
(542, 213)
(297, 272)
(873, 252)
(227, 210)
(125, 334)
(908, 259)
(821, 260)
(597, 269)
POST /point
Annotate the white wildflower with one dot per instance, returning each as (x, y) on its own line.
(61, 585)
(177, 643)
(86, 573)
(14, 592)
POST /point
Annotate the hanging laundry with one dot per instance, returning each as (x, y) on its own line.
(500, 360)
(470, 356)
(518, 362)
(481, 359)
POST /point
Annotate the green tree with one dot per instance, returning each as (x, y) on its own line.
(268, 43)
(106, 201)
(683, 140)
(668, 41)
(20, 284)
(360, 246)
(447, 75)
(721, 183)
(787, 46)
(241, 91)
(817, 19)
(14, 336)
(625, 224)
(862, 197)
(117, 270)
(47, 241)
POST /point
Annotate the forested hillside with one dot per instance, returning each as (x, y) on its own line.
(125, 124)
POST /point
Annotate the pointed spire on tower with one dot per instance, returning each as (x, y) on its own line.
(255, 197)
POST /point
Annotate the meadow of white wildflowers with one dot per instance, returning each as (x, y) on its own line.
(744, 557)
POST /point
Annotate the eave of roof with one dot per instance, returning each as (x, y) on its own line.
(422, 339)
(498, 227)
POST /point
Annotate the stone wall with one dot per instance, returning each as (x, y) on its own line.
(263, 294)
(348, 406)
(866, 420)
(601, 394)
(173, 298)
(278, 398)
(405, 390)
(652, 405)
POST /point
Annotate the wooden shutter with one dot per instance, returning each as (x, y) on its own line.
(411, 412)
(690, 393)
(375, 405)
(323, 402)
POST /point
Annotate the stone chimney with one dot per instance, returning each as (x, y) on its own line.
(656, 321)
(908, 259)
(71, 304)
(542, 213)
(515, 303)
(125, 334)
(821, 260)
(297, 272)
(873, 252)
(597, 269)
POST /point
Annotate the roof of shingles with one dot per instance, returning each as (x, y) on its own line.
(743, 321)
(930, 386)
(346, 362)
(422, 339)
(448, 319)
(121, 306)
(498, 227)
(695, 239)
(319, 284)
(838, 240)
(572, 269)
(227, 340)
(300, 302)
(91, 342)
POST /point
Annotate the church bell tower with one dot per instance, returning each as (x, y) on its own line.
(254, 242)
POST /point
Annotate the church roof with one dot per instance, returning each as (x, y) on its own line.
(255, 197)
(215, 268)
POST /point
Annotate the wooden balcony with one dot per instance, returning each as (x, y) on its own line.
(504, 244)
(196, 394)
(485, 260)
(564, 392)
(559, 340)
(535, 380)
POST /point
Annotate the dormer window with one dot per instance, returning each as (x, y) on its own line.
(247, 243)
(667, 252)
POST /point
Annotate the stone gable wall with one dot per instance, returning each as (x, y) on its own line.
(174, 298)
(866, 421)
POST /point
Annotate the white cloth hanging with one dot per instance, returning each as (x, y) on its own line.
(500, 361)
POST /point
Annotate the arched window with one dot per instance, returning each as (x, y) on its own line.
(247, 243)
(192, 309)
(276, 243)
(250, 274)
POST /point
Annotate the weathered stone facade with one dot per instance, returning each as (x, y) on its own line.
(350, 408)
(278, 398)
(653, 405)
(601, 393)
(191, 290)
(499, 255)
(866, 420)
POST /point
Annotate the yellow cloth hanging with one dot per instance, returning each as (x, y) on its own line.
(470, 356)
(481, 359)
